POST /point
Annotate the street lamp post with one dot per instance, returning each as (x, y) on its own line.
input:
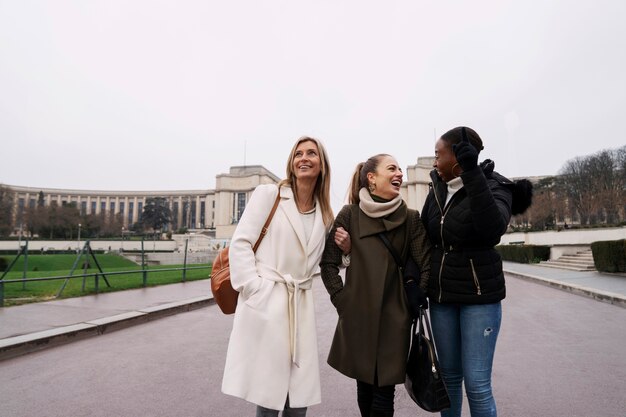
(78, 240)
(122, 239)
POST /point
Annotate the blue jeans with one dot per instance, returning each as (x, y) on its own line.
(465, 336)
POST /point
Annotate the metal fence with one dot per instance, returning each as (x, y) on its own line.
(97, 276)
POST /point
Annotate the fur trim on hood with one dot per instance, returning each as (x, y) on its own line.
(522, 189)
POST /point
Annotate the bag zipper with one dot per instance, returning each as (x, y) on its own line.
(431, 354)
(432, 360)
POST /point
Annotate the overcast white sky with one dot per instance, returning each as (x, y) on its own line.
(162, 95)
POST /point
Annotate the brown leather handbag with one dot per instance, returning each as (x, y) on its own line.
(223, 292)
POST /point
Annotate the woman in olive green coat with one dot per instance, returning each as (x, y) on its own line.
(372, 337)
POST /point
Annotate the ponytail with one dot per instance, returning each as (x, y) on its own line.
(355, 184)
(359, 178)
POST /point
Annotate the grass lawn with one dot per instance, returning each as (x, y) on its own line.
(116, 269)
(65, 262)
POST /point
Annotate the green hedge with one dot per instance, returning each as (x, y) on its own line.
(3, 264)
(524, 253)
(609, 255)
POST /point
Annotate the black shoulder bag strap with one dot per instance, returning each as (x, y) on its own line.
(394, 253)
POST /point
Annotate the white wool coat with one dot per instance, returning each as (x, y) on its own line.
(272, 349)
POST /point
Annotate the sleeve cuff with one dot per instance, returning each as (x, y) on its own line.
(345, 260)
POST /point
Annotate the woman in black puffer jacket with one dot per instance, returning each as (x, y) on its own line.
(466, 212)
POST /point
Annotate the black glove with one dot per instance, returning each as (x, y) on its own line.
(416, 298)
(411, 270)
(466, 154)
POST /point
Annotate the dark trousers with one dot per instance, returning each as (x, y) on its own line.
(374, 400)
(287, 411)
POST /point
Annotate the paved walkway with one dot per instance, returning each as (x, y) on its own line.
(610, 288)
(37, 326)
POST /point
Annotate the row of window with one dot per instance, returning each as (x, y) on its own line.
(188, 210)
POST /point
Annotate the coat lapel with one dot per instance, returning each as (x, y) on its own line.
(319, 231)
(370, 226)
(291, 212)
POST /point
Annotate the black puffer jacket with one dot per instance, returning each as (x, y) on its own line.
(465, 266)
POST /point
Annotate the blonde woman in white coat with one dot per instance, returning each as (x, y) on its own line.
(272, 358)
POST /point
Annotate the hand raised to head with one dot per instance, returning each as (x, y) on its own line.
(466, 154)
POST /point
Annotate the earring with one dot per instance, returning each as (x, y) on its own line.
(454, 166)
(372, 187)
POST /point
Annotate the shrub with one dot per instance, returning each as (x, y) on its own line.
(524, 253)
(609, 255)
(3, 264)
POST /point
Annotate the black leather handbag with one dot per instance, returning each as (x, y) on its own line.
(424, 381)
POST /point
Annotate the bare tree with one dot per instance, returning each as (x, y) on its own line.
(7, 197)
(579, 188)
(594, 186)
(92, 225)
(542, 212)
(607, 184)
(620, 164)
(36, 220)
(113, 225)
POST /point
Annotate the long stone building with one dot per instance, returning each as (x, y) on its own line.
(216, 210)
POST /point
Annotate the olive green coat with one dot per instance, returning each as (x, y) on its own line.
(373, 330)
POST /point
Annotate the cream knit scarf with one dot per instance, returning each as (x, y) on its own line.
(375, 209)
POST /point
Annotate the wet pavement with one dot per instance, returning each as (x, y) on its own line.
(36, 326)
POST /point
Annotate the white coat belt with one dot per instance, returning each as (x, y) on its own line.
(294, 289)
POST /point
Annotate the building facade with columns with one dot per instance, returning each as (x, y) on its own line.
(217, 210)
(416, 183)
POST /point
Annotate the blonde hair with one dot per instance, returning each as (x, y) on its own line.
(322, 186)
(359, 177)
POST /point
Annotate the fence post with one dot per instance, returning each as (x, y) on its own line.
(143, 264)
(185, 261)
(25, 265)
(85, 264)
(1, 293)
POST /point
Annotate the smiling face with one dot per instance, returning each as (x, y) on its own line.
(306, 163)
(387, 178)
(445, 160)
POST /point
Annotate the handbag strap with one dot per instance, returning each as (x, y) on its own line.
(394, 253)
(423, 320)
(267, 222)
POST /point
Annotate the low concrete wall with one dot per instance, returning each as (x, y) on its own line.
(565, 237)
(163, 252)
(556, 251)
(175, 258)
(565, 242)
